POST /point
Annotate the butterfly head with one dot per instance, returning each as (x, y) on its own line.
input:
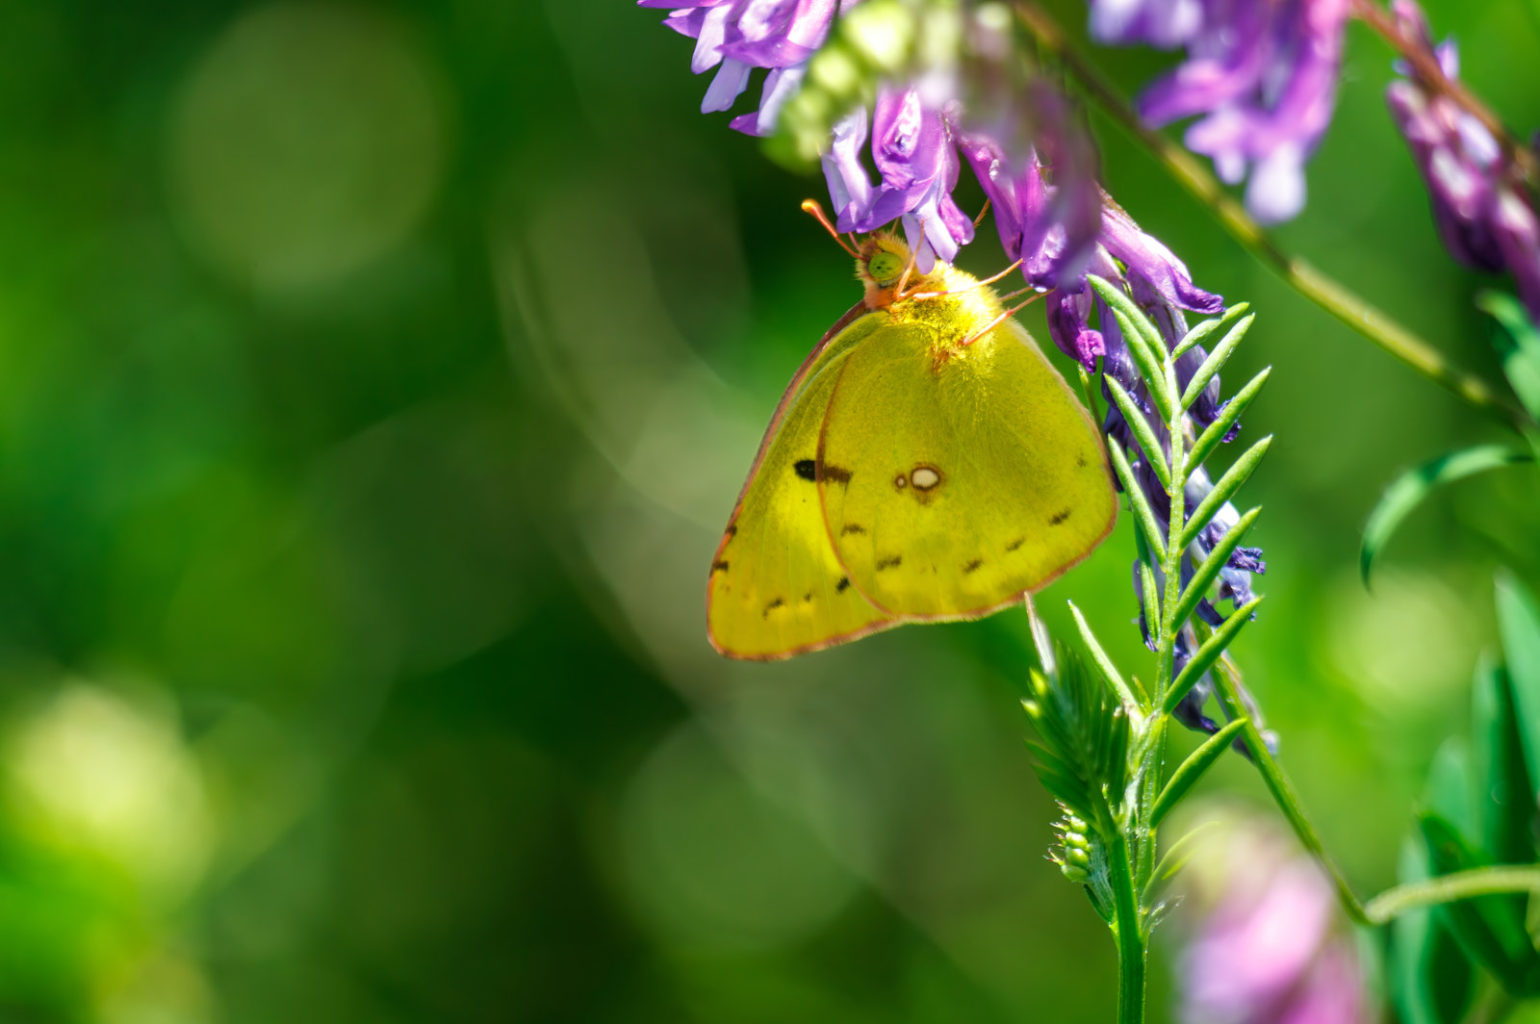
(885, 265)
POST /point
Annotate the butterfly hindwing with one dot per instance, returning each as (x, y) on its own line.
(955, 478)
(777, 587)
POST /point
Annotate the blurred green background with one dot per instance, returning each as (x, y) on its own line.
(374, 384)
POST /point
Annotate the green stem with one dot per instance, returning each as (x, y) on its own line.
(1461, 885)
(1133, 950)
(1227, 689)
(1354, 311)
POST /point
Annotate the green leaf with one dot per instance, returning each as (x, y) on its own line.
(1408, 490)
(1151, 598)
(1143, 514)
(1225, 489)
(1204, 576)
(1518, 344)
(1486, 927)
(1143, 432)
(1448, 789)
(1204, 328)
(1504, 795)
(1145, 345)
(1192, 769)
(1206, 655)
(1216, 359)
(1215, 433)
(1109, 672)
(1429, 977)
(1518, 622)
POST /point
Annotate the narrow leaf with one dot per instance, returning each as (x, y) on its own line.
(1215, 433)
(1109, 672)
(1145, 344)
(1141, 504)
(1162, 391)
(1518, 344)
(1518, 622)
(1143, 432)
(1428, 977)
(1224, 489)
(1487, 927)
(1205, 574)
(1408, 490)
(1206, 655)
(1215, 361)
(1151, 597)
(1504, 794)
(1192, 769)
(1200, 332)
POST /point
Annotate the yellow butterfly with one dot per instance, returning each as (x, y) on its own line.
(926, 463)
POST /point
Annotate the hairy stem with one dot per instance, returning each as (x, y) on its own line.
(1354, 311)
(1461, 885)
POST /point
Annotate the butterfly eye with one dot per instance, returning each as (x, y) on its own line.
(885, 267)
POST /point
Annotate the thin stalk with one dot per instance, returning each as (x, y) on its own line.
(1227, 689)
(1461, 885)
(1354, 311)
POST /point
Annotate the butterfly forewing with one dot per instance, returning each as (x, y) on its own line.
(777, 587)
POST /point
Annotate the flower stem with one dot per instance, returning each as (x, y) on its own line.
(1461, 885)
(1353, 310)
(1227, 689)
(1133, 949)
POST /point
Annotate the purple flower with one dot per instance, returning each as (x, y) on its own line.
(1260, 74)
(737, 36)
(1479, 202)
(917, 164)
(1263, 949)
(1052, 228)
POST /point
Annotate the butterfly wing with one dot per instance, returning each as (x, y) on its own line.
(776, 586)
(956, 478)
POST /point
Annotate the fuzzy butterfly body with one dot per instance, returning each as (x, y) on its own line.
(926, 463)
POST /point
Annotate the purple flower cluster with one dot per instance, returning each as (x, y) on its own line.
(738, 36)
(1260, 75)
(1479, 200)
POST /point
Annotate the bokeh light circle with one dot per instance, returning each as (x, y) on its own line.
(307, 141)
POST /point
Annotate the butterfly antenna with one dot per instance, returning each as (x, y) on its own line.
(997, 321)
(982, 213)
(811, 206)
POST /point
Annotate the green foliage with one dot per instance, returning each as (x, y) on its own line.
(1412, 487)
(1518, 345)
(1479, 812)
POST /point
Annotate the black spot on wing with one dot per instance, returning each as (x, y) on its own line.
(891, 562)
(1080, 460)
(850, 528)
(1059, 517)
(843, 584)
(834, 474)
(972, 566)
(773, 605)
(1013, 545)
(731, 531)
(807, 469)
(807, 597)
(718, 567)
